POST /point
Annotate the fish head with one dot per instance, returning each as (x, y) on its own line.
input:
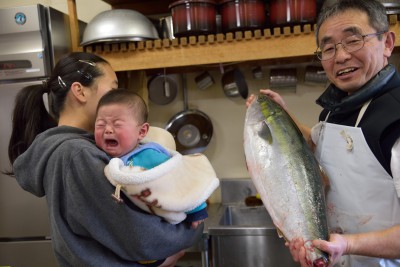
(268, 106)
(257, 117)
(263, 107)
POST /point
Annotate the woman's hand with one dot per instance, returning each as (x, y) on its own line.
(196, 224)
(172, 260)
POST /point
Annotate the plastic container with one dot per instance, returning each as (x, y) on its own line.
(193, 17)
(242, 15)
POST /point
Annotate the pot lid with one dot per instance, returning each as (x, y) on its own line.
(162, 89)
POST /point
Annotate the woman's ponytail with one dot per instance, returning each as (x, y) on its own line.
(30, 118)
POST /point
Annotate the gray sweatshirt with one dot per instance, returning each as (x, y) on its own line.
(88, 227)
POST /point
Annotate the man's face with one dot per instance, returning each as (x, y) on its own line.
(350, 71)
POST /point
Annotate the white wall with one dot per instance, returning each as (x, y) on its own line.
(227, 115)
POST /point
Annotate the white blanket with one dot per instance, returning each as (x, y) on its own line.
(170, 189)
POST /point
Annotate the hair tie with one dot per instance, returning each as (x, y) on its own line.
(45, 85)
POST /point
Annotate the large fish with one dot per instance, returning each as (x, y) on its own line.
(286, 175)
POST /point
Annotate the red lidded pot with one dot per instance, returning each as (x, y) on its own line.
(242, 15)
(193, 17)
(291, 12)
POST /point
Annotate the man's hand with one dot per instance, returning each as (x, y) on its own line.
(273, 95)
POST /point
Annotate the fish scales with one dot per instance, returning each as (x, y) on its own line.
(286, 175)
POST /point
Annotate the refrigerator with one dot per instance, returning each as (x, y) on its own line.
(32, 38)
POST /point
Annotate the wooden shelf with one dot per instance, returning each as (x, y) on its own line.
(259, 45)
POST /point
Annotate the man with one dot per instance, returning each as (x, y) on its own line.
(357, 141)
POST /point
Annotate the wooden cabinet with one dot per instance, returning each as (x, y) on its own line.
(285, 44)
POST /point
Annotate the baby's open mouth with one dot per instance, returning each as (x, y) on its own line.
(111, 142)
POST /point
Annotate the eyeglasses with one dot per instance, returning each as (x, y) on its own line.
(350, 44)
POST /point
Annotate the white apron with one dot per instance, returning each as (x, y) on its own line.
(362, 195)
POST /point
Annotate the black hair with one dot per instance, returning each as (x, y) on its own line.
(126, 97)
(30, 116)
(374, 9)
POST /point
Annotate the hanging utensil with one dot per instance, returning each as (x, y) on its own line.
(162, 89)
(192, 129)
(234, 83)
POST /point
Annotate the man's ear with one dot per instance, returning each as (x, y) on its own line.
(144, 129)
(78, 91)
(389, 43)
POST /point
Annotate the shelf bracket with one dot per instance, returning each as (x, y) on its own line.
(73, 21)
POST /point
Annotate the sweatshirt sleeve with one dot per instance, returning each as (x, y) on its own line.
(91, 221)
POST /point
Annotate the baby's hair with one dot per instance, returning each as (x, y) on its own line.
(129, 98)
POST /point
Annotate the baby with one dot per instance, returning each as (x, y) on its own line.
(157, 179)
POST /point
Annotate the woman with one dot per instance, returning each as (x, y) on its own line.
(63, 163)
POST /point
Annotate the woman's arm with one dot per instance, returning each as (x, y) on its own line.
(119, 226)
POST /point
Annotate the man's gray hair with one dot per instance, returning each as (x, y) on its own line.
(373, 8)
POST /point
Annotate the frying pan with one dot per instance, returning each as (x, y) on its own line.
(191, 128)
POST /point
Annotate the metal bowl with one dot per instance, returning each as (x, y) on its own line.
(119, 25)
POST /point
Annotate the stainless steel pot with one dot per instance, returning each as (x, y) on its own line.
(167, 28)
(234, 83)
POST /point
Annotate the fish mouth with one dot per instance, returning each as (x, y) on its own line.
(345, 71)
(321, 262)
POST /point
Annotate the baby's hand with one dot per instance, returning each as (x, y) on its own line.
(197, 223)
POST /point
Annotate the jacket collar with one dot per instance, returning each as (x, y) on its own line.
(337, 101)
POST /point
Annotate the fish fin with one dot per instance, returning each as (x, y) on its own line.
(280, 234)
(265, 132)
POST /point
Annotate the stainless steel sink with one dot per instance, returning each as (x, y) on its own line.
(243, 220)
(246, 216)
(246, 236)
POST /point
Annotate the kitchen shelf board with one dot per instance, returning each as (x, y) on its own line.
(270, 44)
